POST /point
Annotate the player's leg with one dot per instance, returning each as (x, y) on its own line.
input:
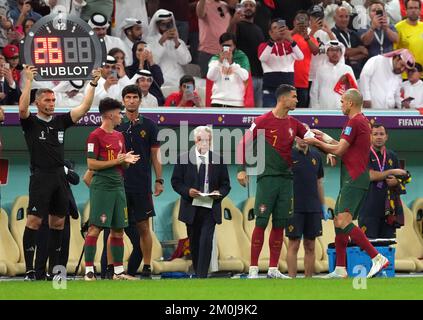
(59, 209)
(265, 199)
(90, 248)
(293, 247)
(38, 206)
(294, 232)
(144, 211)
(282, 211)
(312, 229)
(118, 224)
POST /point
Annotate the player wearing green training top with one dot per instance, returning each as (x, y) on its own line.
(107, 157)
(274, 185)
(353, 148)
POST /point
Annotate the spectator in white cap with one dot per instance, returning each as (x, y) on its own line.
(69, 93)
(130, 9)
(113, 80)
(333, 78)
(144, 79)
(99, 24)
(131, 31)
(168, 50)
(380, 79)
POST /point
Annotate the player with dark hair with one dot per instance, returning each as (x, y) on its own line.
(354, 149)
(107, 157)
(274, 185)
(48, 196)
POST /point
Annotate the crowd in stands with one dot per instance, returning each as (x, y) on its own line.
(235, 53)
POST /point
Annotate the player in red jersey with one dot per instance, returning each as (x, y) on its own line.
(353, 148)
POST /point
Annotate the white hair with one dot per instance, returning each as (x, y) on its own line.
(200, 129)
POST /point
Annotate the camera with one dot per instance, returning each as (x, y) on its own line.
(189, 88)
(167, 26)
(301, 19)
(226, 48)
(379, 12)
(113, 73)
(239, 7)
(281, 23)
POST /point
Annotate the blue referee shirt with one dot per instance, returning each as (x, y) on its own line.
(140, 137)
(307, 169)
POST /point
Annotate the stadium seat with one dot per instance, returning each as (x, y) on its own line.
(417, 209)
(9, 251)
(17, 227)
(179, 228)
(159, 265)
(232, 242)
(248, 226)
(409, 249)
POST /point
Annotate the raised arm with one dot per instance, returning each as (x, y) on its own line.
(24, 100)
(78, 112)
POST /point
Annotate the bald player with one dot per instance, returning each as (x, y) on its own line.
(353, 149)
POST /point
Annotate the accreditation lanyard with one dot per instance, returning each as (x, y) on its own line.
(381, 166)
(380, 39)
(346, 39)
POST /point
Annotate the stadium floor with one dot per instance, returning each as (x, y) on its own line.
(401, 287)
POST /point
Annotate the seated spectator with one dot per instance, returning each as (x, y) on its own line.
(411, 92)
(73, 7)
(103, 7)
(380, 80)
(186, 96)
(330, 7)
(143, 60)
(131, 31)
(144, 79)
(22, 11)
(27, 25)
(277, 57)
(6, 22)
(119, 55)
(170, 52)
(69, 93)
(355, 54)
(99, 24)
(333, 78)
(9, 89)
(379, 36)
(113, 80)
(11, 53)
(129, 9)
(229, 72)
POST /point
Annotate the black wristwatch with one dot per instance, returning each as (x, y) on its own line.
(160, 180)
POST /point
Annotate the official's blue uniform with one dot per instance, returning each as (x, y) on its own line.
(372, 215)
(307, 218)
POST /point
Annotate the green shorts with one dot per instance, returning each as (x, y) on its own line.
(350, 199)
(108, 208)
(273, 197)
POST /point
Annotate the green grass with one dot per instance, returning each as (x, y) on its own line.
(217, 289)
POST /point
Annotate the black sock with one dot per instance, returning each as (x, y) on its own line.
(54, 248)
(146, 267)
(29, 244)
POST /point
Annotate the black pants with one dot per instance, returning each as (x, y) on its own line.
(42, 247)
(200, 234)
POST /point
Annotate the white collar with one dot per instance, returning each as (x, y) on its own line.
(198, 155)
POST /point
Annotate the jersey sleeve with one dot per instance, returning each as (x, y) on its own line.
(93, 146)
(350, 131)
(66, 120)
(154, 143)
(27, 123)
(301, 129)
